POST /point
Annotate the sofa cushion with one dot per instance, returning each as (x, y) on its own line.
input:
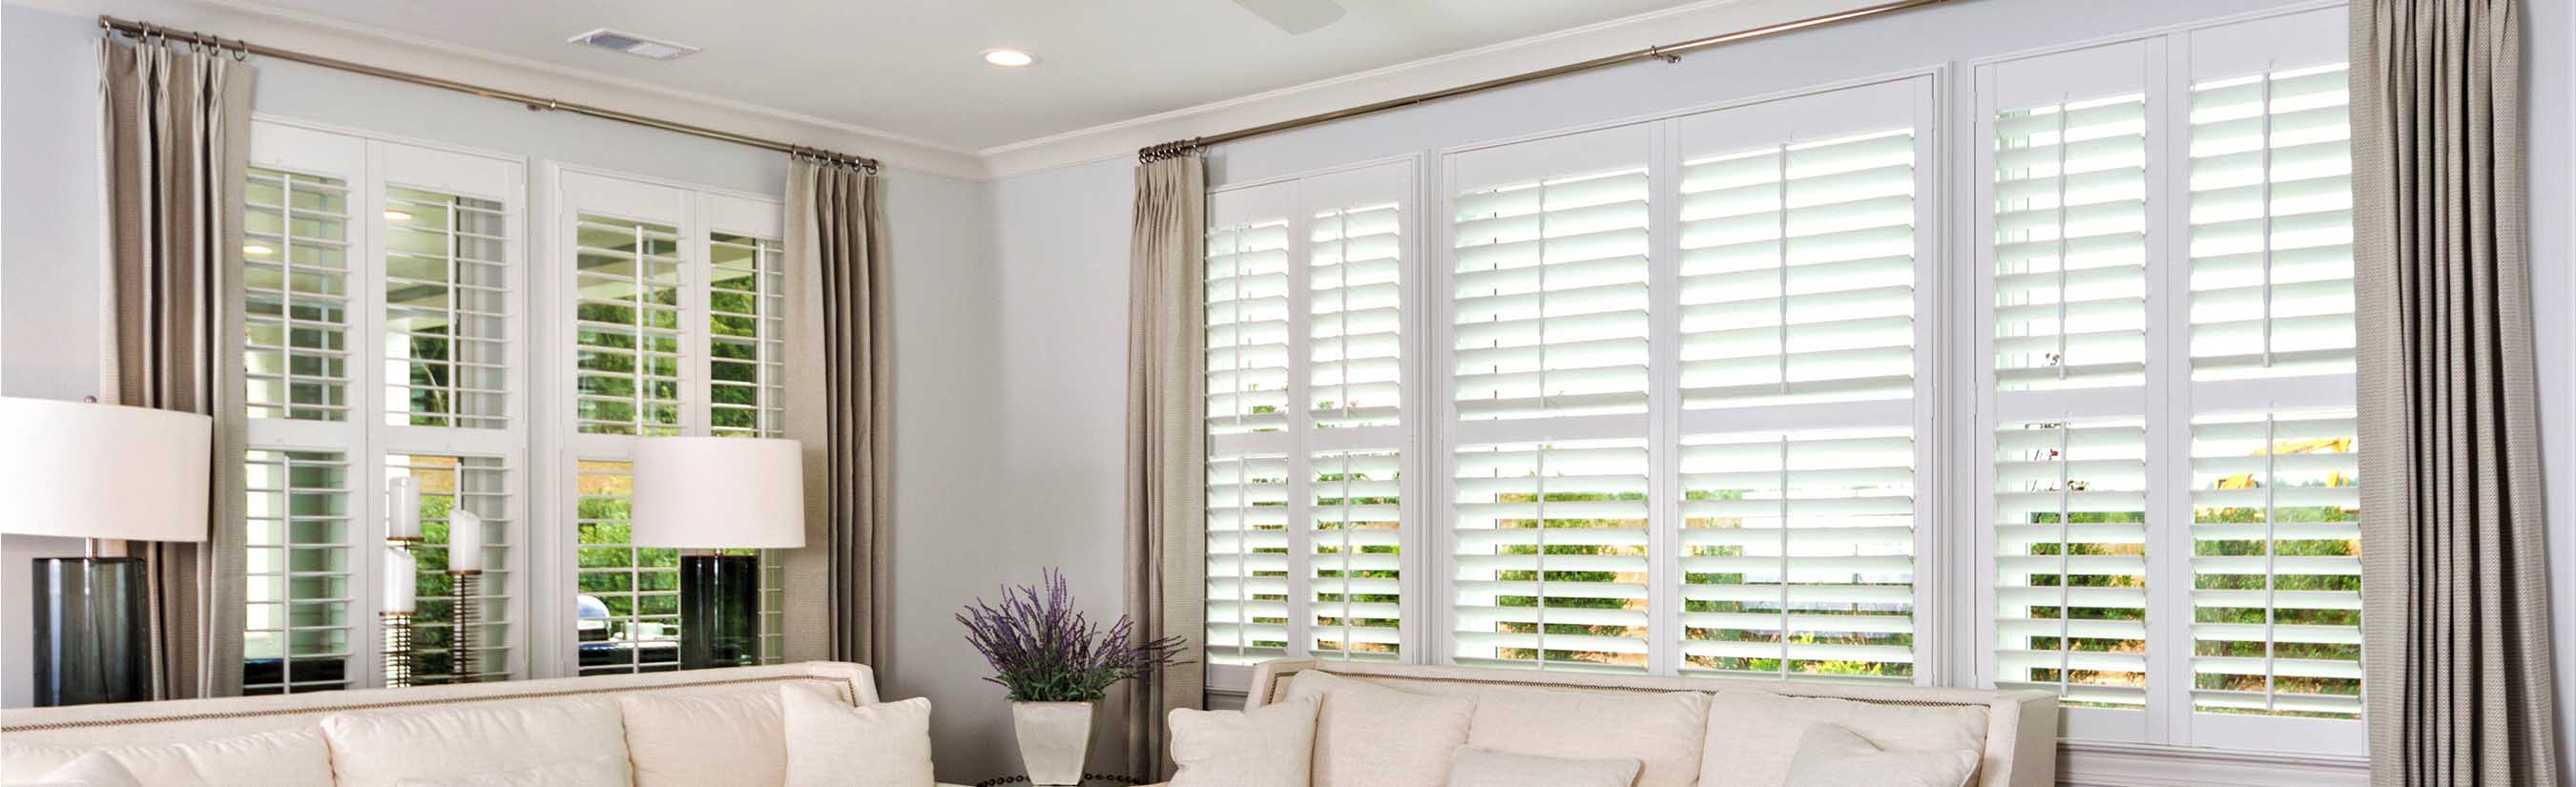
(380, 749)
(1830, 756)
(1268, 746)
(1368, 735)
(830, 744)
(668, 737)
(95, 769)
(1661, 730)
(292, 758)
(603, 771)
(1752, 735)
(1474, 767)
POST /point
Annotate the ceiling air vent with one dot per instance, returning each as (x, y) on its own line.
(630, 43)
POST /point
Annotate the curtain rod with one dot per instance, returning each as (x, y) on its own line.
(1669, 53)
(141, 30)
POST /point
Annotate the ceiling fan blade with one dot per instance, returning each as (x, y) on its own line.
(1297, 17)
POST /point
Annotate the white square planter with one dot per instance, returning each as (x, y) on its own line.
(1055, 737)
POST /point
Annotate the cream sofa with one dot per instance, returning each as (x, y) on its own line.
(561, 719)
(1750, 726)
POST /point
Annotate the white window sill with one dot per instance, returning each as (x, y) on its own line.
(2092, 764)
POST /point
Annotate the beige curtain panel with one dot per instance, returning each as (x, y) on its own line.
(2455, 585)
(1166, 446)
(175, 145)
(837, 404)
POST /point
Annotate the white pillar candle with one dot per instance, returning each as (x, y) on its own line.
(464, 541)
(402, 508)
(402, 580)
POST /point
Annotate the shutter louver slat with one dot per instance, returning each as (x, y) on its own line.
(1355, 576)
(2070, 529)
(2070, 246)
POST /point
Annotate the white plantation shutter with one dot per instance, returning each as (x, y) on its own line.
(2070, 529)
(447, 484)
(2070, 243)
(1355, 276)
(2271, 225)
(2174, 509)
(1799, 553)
(2274, 495)
(400, 299)
(1548, 277)
(295, 271)
(1798, 272)
(300, 632)
(1306, 400)
(1247, 547)
(1247, 313)
(1551, 559)
(627, 285)
(1355, 574)
(447, 290)
(1548, 263)
(2276, 565)
(1801, 240)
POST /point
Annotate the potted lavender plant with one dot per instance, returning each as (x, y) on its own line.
(1057, 665)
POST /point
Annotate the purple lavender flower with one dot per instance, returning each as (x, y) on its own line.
(1044, 651)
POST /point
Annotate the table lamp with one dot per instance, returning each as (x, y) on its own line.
(98, 471)
(701, 494)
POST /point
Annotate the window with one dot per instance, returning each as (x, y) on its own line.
(1306, 385)
(2174, 501)
(1707, 394)
(383, 279)
(673, 324)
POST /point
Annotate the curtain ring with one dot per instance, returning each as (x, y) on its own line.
(241, 52)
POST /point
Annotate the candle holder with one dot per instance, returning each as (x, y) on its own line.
(398, 655)
(463, 617)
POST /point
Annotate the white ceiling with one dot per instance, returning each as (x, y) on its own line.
(911, 67)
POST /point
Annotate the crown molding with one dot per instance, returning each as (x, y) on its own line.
(1121, 139)
(297, 30)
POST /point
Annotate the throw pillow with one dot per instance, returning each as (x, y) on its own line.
(1268, 746)
(1830, 756)
(1476, 767)
(95, 769)
(1753, 734)
(1367, 735)
(668, 738)
(831, 744)
(602, 771)
(1663, 731)
(291, 758)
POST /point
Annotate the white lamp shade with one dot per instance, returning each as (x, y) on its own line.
(718, 493)
(103, 471)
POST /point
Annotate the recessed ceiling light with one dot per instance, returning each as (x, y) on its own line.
(256, 250)
(1009, 58)
(633, 44)
(396, 215)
